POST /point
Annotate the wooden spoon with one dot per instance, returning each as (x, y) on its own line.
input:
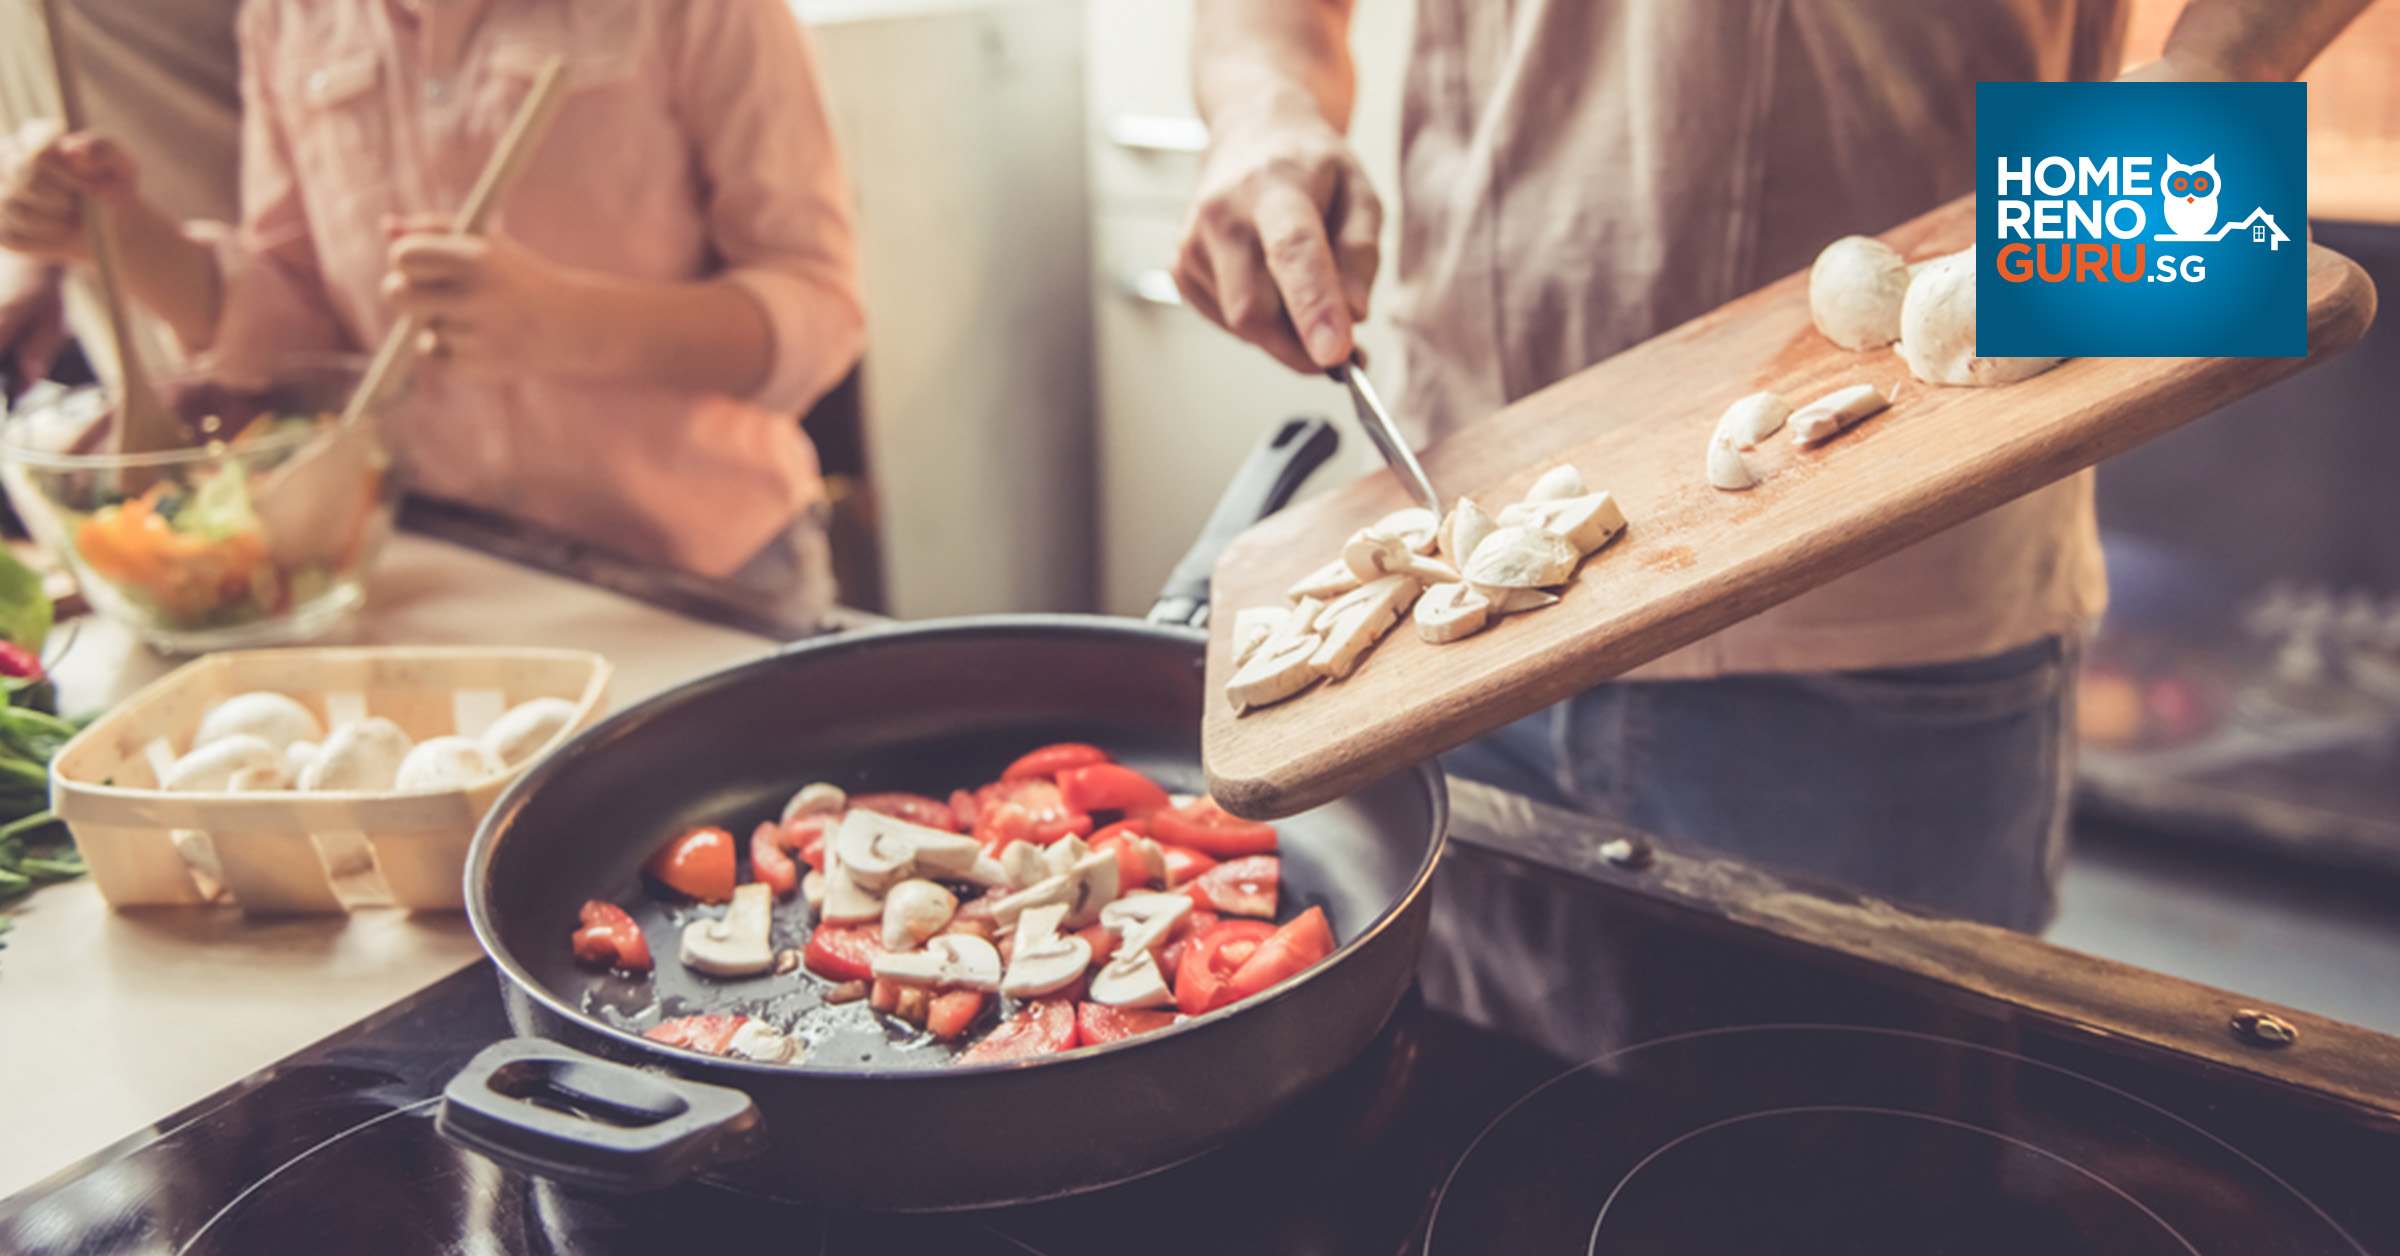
(144, 423)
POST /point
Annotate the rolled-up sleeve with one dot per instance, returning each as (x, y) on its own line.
(777, 202)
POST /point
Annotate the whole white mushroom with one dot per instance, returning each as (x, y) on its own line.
(211, 768)
(1855, 291)
(438, 763)
(1937, 329)
(527, 727)
(281, 720)
(362, 756)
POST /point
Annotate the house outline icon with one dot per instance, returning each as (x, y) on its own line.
(2262, 226)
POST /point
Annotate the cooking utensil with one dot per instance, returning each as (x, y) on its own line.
(144, 423)
(499, 172)
(1377, 423)
(922, 707)
(1695, 559)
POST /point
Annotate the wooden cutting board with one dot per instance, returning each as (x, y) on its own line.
(1694, 559)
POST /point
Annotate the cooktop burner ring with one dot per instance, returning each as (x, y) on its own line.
(1755, 1137)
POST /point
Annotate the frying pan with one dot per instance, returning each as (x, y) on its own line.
(870, 1121)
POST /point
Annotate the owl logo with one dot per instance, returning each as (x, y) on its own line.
(2191, 198)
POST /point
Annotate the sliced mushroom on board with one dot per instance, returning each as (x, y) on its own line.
(1822, 419)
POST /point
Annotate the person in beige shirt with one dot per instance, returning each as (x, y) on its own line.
(1579, 175)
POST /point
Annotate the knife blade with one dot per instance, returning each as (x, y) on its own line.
(1377, 423)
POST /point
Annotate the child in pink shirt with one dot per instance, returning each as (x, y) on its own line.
(624, 356)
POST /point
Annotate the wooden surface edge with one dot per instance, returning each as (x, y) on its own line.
(2342, 305)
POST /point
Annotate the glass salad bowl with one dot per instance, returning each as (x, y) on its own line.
(262, 532)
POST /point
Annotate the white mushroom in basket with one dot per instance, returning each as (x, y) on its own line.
(1044, 960)
(525, 728)
(914, 910)
(211, 768)
(439, 763)
(360, 757)
(736, 945)
(276, 718)
(959, 960)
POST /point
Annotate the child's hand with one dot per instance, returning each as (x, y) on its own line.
(47, 177)
(489, 309)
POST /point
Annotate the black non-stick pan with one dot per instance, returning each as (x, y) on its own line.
(866, 1121)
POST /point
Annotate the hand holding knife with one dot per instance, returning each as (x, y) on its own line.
(1377, 423)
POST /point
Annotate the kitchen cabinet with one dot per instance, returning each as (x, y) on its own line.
(1178, 400)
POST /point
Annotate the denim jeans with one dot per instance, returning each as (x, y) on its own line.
(1943, 786)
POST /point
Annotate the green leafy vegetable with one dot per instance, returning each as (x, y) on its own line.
(24, 607)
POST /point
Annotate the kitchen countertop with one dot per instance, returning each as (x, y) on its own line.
(110, 1020)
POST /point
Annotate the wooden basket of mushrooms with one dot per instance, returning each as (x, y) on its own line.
(314, 780)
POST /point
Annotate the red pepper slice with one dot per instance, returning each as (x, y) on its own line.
(843, 952)
(1211, 959)
(698, 865)
(1111, 787)
(1240, 887)
(1195, 922)
(769, 862)
(710, 1035)
(609, 936)
(1123, 839)
(807, 835)
(1051, 760)
(1295, 946)
(1098, 1022)
(1210, 829)
(964, 811)
(952, 1012)
(1184, 865)
(1041, 1027)
(1047, 814)
(914, 808)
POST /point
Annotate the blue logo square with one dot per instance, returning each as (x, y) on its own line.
(2141, 219)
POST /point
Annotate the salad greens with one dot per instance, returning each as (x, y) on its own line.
(35, 847)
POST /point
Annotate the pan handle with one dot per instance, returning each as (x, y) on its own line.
(557, 1113)
(1274, 470)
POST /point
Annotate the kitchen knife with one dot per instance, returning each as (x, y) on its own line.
(1378, 425)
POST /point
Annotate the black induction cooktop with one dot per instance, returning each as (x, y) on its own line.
(1747, 1090)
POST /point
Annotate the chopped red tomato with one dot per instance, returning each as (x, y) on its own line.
(1210, 960)
(1124, 840)
(1195, 922)
(769, 862)
(914, 808)
(610, 937)
(1240, 887)
(1102, 939)
(952, 1011)
(1184, 865)
(1210, 829)
(1000, 825)
(1110, 787)
(1295, 946)
(698, 865)
(1096, 1023)
(1049, 761)
(709, 1034)
(1045, 810)
(843, 952)
(963, 810)
(1041, 1027)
